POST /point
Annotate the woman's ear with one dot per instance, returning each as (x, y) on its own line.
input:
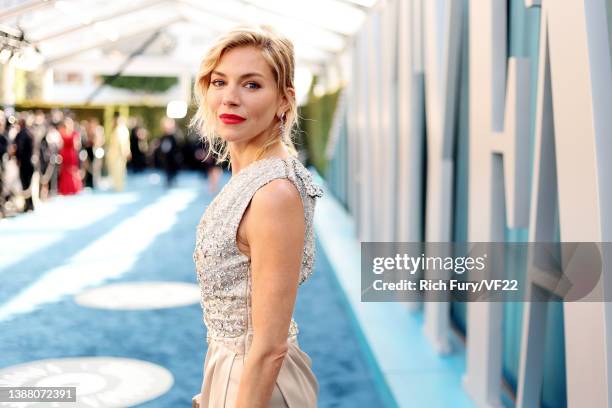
(285, 105)
(291, 92)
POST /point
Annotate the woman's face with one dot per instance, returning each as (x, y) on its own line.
(68, 125)
(243, 96)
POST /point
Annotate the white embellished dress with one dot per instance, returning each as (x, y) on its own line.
(224, 276)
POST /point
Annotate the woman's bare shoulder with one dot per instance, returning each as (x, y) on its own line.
(279, 197)
(275, 212)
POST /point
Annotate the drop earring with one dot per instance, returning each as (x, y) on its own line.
(282, 125)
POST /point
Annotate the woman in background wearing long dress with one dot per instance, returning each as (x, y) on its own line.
(118, 152)
(69, 181)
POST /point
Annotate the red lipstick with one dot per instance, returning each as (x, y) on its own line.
(230, 119)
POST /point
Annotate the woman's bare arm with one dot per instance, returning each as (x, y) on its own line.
(274, 227)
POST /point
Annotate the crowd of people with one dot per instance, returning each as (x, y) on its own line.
(54, 153)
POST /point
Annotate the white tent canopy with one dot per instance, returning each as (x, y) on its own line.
(102, 34)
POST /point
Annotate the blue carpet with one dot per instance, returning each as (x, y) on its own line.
(173, 338)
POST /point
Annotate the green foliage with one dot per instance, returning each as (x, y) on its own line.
(315, 121)
(153, 84)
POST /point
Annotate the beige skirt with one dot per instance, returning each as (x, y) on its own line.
(296, 385)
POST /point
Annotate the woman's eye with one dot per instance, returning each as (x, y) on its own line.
(255, 85)
(216, 82)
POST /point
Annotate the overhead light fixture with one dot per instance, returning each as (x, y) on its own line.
(5, 55)
(28, 59)
(14, 47)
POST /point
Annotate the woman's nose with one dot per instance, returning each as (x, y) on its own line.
(230, 96)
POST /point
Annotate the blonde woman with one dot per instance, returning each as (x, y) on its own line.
(255, 242)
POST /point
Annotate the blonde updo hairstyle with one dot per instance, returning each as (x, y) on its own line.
(278, 53)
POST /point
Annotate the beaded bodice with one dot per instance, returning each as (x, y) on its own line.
(223, 271)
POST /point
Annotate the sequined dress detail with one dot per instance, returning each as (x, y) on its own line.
(224, 276)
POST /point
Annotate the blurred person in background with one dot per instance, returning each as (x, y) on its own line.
(52, 144)
(118, 152)
(3, 154)
(86, 154)
(56, 116)
(137, 146)
(23, 152)
(69, 175)
(93, 142)
(212, 169)
(169, 150)
(98, 151)
(11, 184)
(40, 129)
